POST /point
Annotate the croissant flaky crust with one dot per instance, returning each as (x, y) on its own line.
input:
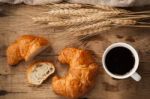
(81, 74)
(25, 48)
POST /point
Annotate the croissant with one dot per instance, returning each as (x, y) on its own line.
(81, 74)
(25, 48)
(39, 72)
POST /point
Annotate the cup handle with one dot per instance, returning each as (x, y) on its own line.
(136, 76)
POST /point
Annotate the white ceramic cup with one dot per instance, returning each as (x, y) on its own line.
(132, 73)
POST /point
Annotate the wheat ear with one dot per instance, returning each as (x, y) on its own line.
(91, 31)
(91, 26)
(81, 12)
(123, 21)
(76, 21)
(72, 11)
(45, 19)
(86, 19)
(68, 5)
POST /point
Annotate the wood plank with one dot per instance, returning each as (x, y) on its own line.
(16, 21)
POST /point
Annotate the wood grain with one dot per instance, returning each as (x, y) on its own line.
(16, 21)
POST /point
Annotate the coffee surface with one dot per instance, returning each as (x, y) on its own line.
(119, 60)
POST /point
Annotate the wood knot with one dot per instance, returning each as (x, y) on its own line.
(3, 92)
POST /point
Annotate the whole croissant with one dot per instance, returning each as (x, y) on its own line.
(25, 48)
(81, 74)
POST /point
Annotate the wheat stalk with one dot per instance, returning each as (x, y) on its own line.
(110, 13)
(90, 31)
(81, 12)
(45, 19)
(123, 21)
(77, 21)
(133, 17)
(91, 26)
(71, 11)
(86, 19)
(89, 20)
(67, 5)
(140, 12)
(82, 34)
(86, 34)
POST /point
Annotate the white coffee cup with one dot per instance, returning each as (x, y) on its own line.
(132, 73)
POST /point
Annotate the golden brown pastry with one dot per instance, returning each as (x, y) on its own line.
(13, 54)
(81, 74)
(25, 48)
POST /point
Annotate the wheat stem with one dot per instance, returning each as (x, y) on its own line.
(72, 36)
(145, 23)
(136, 17)
(141, 26)
(140, 12)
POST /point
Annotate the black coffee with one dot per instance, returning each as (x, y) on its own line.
(119, 60)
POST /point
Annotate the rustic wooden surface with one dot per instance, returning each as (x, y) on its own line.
(16, 21)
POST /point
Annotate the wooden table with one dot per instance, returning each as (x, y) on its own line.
(16, 21)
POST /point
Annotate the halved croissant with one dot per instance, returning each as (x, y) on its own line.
(25, 48)
(39, 71)
(81, 74)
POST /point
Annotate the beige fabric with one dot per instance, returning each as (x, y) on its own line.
(30, 2)
(116, 3)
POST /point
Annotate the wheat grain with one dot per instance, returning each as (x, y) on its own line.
(91, 31)
(45, 19)
(110, 14)
(86, 19)
(123, 21)
(91, 26)
(75, 21)
(89, 18)
(66, 5)
(72, 11)
(81, 12)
